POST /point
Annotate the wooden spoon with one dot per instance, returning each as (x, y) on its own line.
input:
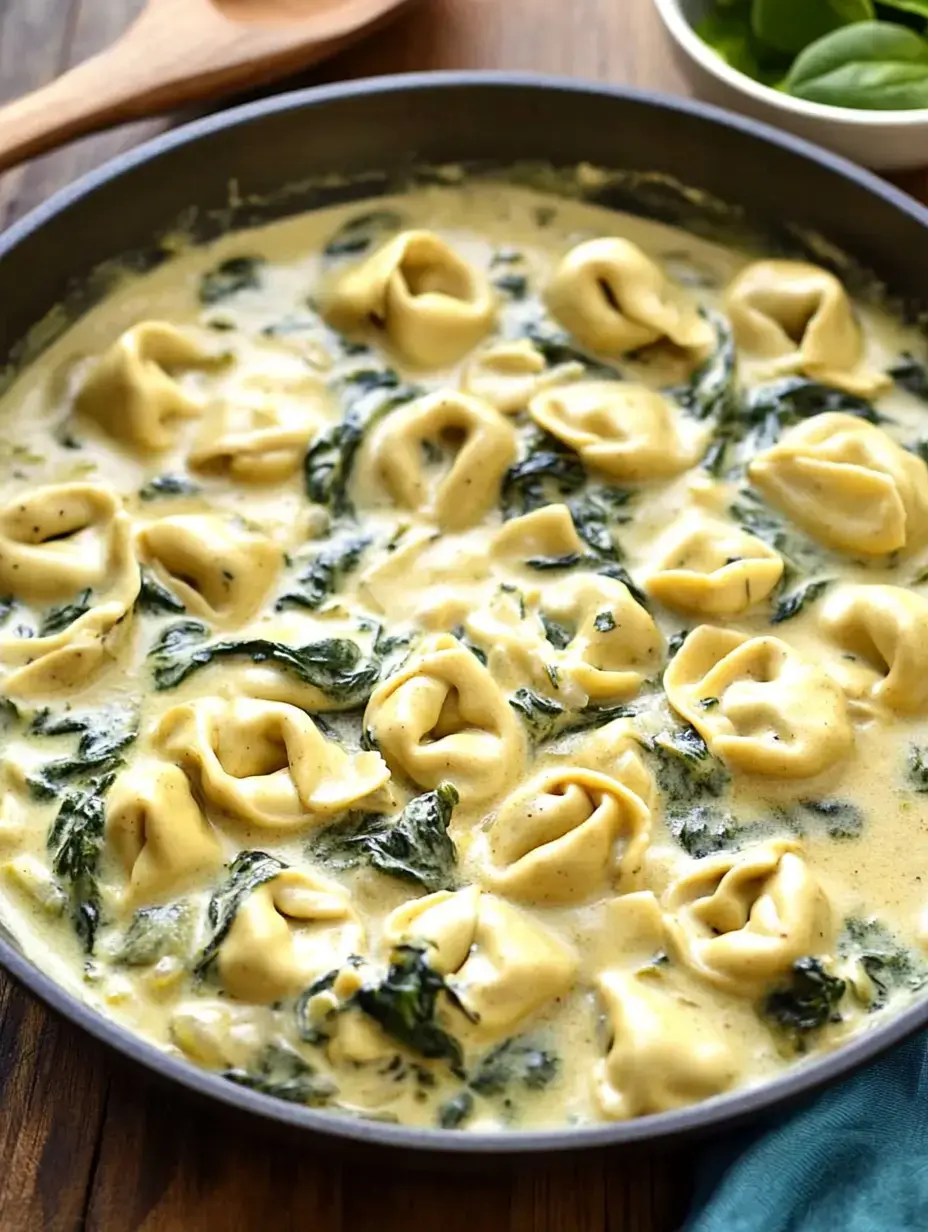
(178, 51)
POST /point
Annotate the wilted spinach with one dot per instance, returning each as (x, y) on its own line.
(75, 840)
(319, 580)
(540, 714)
(155, 599)
(281, 1071)
(360, 233)
(163, 486)
(516, 1062)
(57, 619)
(229, 277)
(792, 604)
(104, 734)
(248, 871)
(890, 965)
(806, 1003)
(154, 932)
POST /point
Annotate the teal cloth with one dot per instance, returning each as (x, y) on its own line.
(855, 1160)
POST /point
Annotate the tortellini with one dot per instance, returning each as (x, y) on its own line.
(72, 541)
(442, 716)
(546, 533)
(429, 303)
(287, 932)
(131, 391)
(458, 494)
(158, 832)
(713, 568)
(218, 568)
(564, 835)
(847, 484)
(798, 318)
(626, 430)
(614, 299)
(509, 374)
(757, 704)
(741, 919)
(665, 1052)
(257, 436)
(614, 644)
(266, 763)
(500, 963)
(886, 629)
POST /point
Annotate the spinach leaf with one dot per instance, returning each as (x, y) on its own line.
(164, 486)
(873, 65)
(514, 1062)
(7, 603)
(595, 512)
(806, 1003)
(547, 473)
(704, 830)
(324, 573)
(335, 666)
(712, 390)
(890, 965)
(57, 619)
(154, 598)
(918, 768)
(360, 233)
(229, 277)
(367, 396)
(75, 840)
(801, 556)
(405, 1005)
(557, 634)
(103, 736)
(791, 605)
(593, 716)
(911, 375)
(415, 846)
(556, 346)
(727, 30)
(154, 932)
(686, 770)
(539, 714)
(840, 818)
(248, 871)
(788, 26)
(455, 1111)
(281, 1071)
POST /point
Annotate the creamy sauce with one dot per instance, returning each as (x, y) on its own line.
(455, 827)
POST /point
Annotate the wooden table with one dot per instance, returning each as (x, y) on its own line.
(87, 1145)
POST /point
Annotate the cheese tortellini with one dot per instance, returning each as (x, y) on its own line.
(557, 838)
(429, 303)
(714, 569)
(665, 1053)
(156, 828)
(847, 484)
(217, 568)
(885, 628)
(132, 391)
(509, 374)
(740, 920)
(500, 963)
(287, 932)
(613, 299)
(798, 318)
(266, 763)
(757, 704)
(626, 430)
(482, 447)
(442, 716)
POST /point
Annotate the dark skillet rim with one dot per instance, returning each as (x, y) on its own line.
(715, 1114)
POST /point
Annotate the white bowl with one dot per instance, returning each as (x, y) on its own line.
(885, 140)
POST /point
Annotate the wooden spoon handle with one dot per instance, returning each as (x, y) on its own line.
(176, 52)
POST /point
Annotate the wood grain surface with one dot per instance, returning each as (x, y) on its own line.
(86, 1144)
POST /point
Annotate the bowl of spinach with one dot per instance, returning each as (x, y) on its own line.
(851, 75)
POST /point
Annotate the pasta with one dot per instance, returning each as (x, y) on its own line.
(463, 661)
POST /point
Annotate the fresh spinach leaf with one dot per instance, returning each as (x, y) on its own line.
(75, 840)
(415, 846)
(155, 599)
(280, 1071)
(335, 666)
(804, 1004)
(229, 277)
(513, 1063)
(539, 714)
(787, 26)
(367, 395)
(360, 233)
(165, 486)
(324, 573)
(248, 871)
(57, 619)
(871, 65)
(791, 605)
(405, 1004)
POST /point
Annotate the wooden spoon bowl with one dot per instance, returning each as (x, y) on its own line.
(182, 51)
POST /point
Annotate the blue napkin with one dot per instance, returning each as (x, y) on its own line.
(855, 1160)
